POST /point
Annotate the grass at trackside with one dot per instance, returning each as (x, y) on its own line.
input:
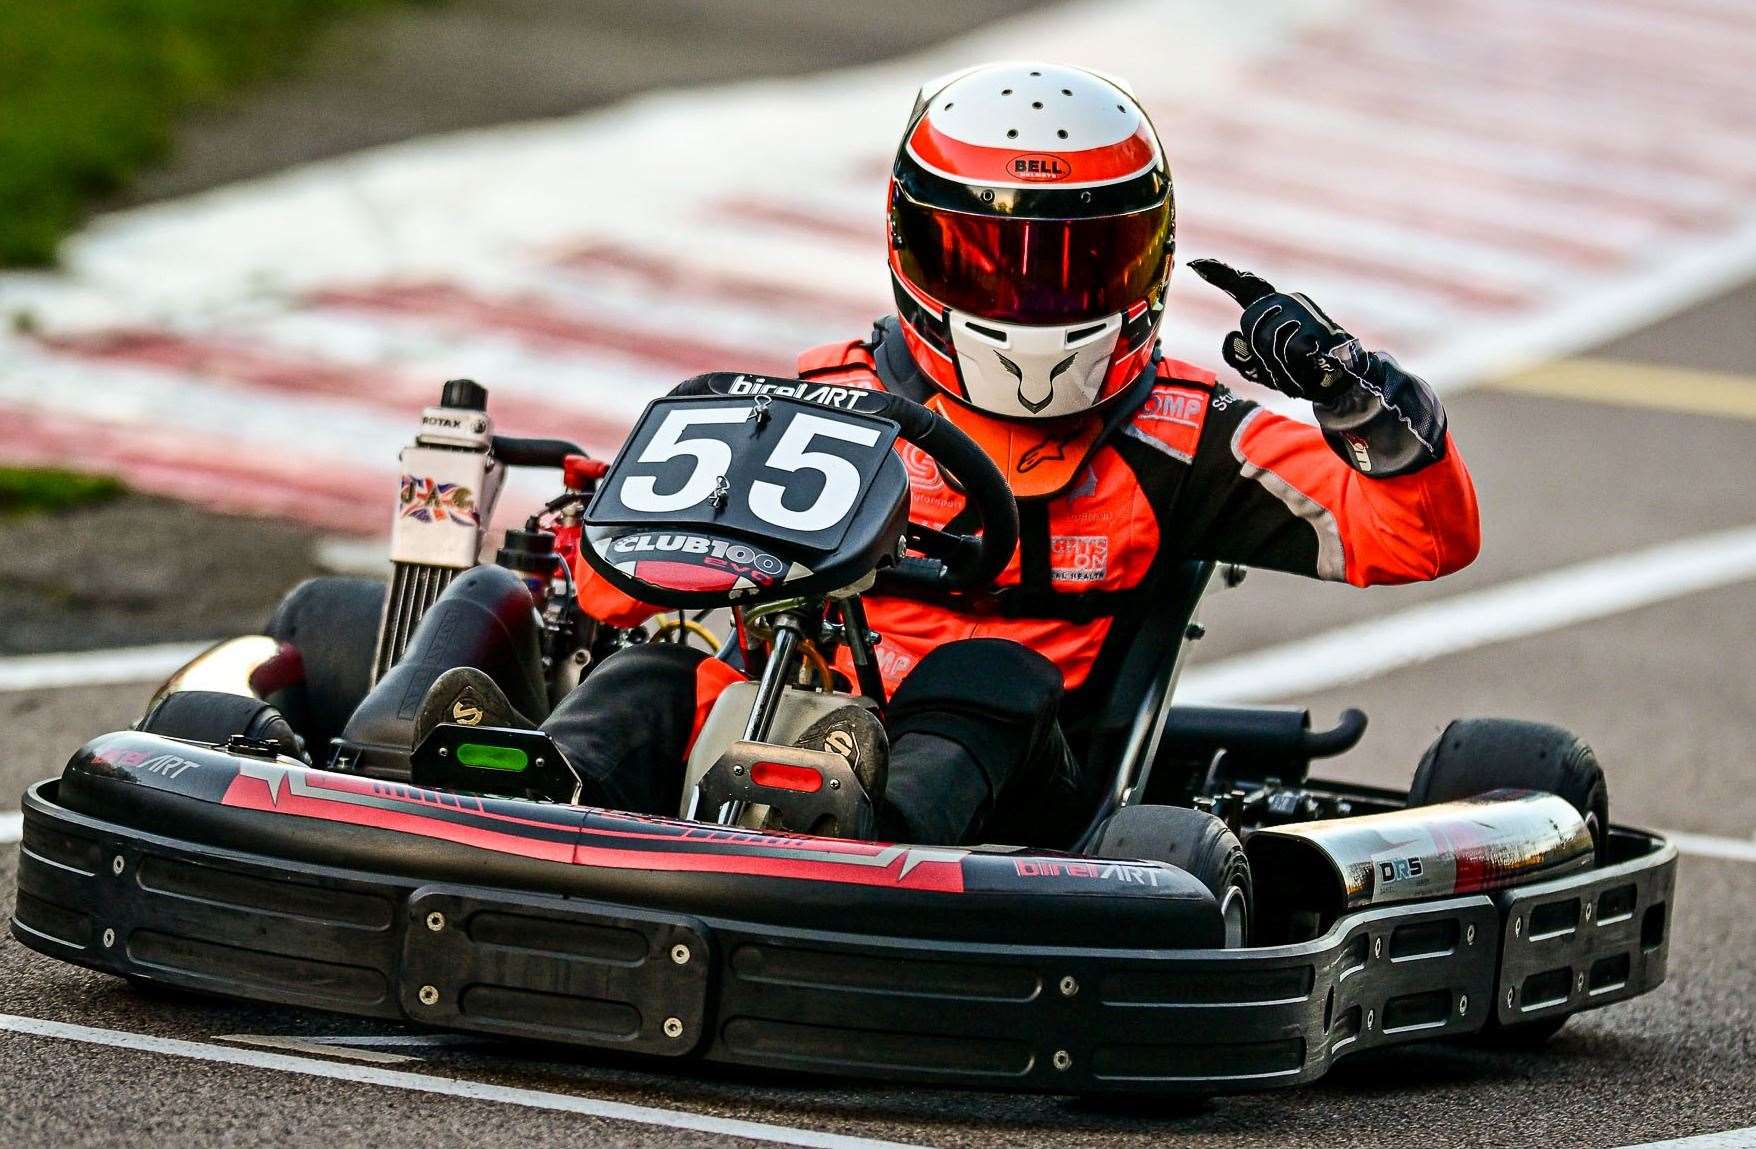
(89, 90)
(31, 490)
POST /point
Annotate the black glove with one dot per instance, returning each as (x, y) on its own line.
(1284, 341)
(1377, 417)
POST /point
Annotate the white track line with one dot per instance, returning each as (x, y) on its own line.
(11, 826)
(96, 667)
(1518, 609)
(1710, 846)
(444, 1086)
(1730, 1139)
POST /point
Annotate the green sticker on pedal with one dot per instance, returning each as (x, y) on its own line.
(492, 757)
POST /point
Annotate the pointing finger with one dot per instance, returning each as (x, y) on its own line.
(1244, 287)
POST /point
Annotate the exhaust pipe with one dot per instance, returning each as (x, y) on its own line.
(1484, 843)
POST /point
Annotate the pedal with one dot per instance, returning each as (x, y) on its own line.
(500, 761)
(806, 791)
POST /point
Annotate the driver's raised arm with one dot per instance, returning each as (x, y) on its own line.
(1376, 493)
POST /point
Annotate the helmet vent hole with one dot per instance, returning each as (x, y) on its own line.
(1012, 133)
(1036, 73)
(1061, 132)
(1066, 91)
(1005, 91)
(1037, 104)
(1120, 108)
(949, 106)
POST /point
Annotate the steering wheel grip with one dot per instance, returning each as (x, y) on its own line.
(980, 559)
(983, 485)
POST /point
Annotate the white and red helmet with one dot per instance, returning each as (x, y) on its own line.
(1031, 236)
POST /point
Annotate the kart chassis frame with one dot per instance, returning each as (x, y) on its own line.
(516, 963)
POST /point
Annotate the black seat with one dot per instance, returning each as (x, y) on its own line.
(485, 619)
(1119, 739)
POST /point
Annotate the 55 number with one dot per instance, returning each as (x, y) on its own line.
(767, 500)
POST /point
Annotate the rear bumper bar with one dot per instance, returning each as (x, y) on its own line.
(695, 983)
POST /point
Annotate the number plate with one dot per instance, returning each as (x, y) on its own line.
(769, 468)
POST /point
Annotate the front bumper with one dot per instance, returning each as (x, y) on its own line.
(699, 984)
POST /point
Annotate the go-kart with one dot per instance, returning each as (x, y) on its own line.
(1219, 921)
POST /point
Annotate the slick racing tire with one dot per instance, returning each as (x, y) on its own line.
(212, 717)
(1194, 841)
(333, 621)
(1474, 755)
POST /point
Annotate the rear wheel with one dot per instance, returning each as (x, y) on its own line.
(333, 621)
(1194, 841)
(1475, 755)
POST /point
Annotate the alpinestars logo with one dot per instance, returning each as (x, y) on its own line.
(1047, 451)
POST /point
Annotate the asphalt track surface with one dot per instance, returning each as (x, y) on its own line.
(1664, 692)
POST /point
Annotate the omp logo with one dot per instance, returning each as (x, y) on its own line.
(822, 394)
(1038, 168)
(1172, 406)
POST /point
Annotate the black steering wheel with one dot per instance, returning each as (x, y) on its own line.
(952, 561)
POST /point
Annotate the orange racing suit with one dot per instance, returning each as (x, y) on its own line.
(1178, 468)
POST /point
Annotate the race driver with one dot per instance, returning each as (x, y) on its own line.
(1031, 243)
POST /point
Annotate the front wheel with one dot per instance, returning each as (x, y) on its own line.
(1194, 841)
(1475, 755)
